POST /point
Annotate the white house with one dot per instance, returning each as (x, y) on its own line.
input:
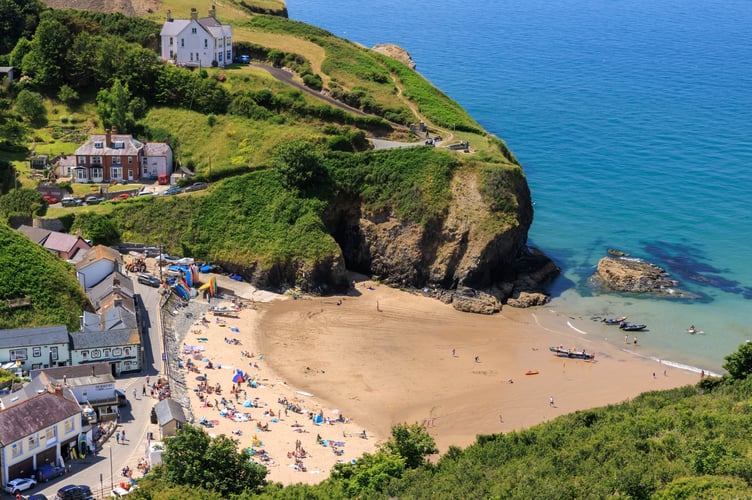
(33, 348)
(157, 160)
(197, 42)
(98, 263)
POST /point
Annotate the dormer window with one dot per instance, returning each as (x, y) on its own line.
(118, 145)
(193, 31)
(99, 145)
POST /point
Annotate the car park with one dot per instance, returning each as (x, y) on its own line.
(172, 190)
(19, 484)
(196, 186)
(93, 200)
(149, 280)
(74, 492)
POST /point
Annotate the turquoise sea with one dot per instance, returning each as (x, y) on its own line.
(632, 122)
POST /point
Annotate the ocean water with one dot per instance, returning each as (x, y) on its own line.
(632, 122)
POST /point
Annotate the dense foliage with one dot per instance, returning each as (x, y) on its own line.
(29, 270)
(23, 202)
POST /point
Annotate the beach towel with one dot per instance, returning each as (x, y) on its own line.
(234, 329)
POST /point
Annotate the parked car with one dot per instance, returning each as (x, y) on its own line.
(196, 186)
(74, 492)
(36, 496)
(119, 491)
(47, 472)
(244, 59)
(172, 190)
(149, 280)
(19, 484)
(163, 179)
(93, 200)
(50, 199)
(146, 192)
(71, 202)
(122, 196)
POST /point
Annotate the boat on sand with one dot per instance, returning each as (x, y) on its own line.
(571, 353)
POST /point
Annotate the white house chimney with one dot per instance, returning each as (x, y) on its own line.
(169, 16)
(213, 11)
(194, 14)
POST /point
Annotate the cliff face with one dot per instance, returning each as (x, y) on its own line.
(458, 260)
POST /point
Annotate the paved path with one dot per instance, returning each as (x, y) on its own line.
(103, 470)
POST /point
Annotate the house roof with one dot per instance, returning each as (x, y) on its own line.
(66, 161)
(174, 27)
(75, 376)
(125, 337)
(35, 414)
(41, 335)
(35, 234)
(61, 242)
(114, 281)
(156, 149)
(116, 317)
(168, 410)
(96, 253)
(131, 146)
(31, 389)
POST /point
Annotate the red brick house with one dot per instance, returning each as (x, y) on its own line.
(108, 157)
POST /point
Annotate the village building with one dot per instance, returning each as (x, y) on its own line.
(25, 349)
(196, 42)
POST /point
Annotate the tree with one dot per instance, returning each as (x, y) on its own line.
(30, 106)
(113, 107)
(413, 443)
(46, 59)
(193, 458)
(68, 95)
(739, 363)
(369, 474)
(297, 164)
(26, 202)
(98, 228)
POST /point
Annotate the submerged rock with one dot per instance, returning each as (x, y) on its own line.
(636, 276)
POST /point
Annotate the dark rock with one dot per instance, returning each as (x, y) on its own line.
(636, 276)
(527, 299)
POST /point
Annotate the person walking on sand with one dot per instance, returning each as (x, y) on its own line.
(551, 401)
(454, 352)
(477, 359)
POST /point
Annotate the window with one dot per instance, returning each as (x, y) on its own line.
(51, 435)
(53, 353)
(106, 353)
(84, 354)
(127, 351)
(69, 425)
(96, 173)
(219, 57)
(95, 353)
(36, 352)
(182, 42)
(33, 441)
(130, 160)
(193, 31)
(116, 172)
(116, 160)
(170, 46)
(96, 160)
(117, 351)
(81, 160)
(16, 449)
(99, 145)
(19, 354)
(206, 43)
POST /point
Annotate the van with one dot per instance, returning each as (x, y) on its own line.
(47, 472)
(163, 179)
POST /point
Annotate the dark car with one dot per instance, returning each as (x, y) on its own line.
(47, 472)
(122, 399)
(196, 186)
(244, 59)
(149, 280)
(74, 492)
(71, 202)
(172, 190)
(36, 496)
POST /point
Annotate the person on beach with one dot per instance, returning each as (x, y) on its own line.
(122, 436)
(551, 401)
(454, 352)
(117, 437)
(635, 341)
(477, 359)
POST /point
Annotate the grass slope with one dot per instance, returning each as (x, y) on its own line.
(28, 269)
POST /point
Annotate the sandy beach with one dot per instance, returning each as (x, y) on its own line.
(381, 356)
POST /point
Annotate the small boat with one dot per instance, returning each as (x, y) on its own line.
(630, 327)
(531, 372)
(571, 353)
(614, 321)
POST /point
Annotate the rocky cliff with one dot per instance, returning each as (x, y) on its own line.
(460, 259)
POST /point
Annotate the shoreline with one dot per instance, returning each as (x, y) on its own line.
(381, 356)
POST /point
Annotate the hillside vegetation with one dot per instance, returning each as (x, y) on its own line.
(29, 270)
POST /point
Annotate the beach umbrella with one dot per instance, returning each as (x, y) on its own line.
(238, 377)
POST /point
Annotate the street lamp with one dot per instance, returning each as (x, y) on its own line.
(112, 485)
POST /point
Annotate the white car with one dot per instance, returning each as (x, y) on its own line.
(19, 484)
(118, 492)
